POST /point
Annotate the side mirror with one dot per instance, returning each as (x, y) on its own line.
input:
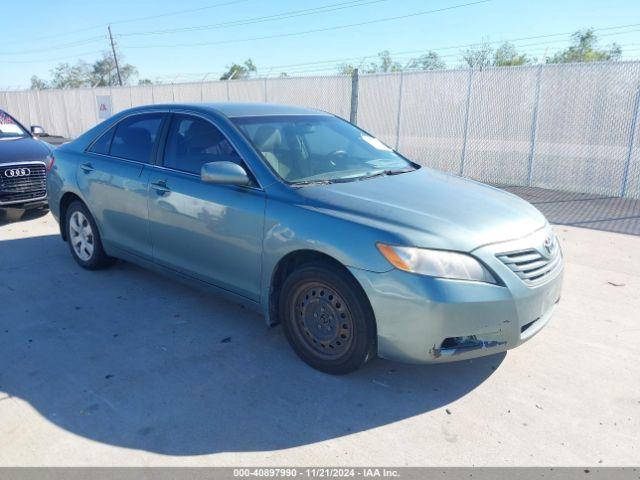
(37, 130)
(224, 173)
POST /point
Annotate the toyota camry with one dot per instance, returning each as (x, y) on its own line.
(357, 251)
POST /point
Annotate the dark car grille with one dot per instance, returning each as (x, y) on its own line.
(17, 189)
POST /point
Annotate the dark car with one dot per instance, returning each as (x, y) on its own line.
(24, 162)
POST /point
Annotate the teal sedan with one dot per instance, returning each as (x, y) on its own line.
(357, 251)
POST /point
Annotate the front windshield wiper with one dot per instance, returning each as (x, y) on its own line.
(385, 173)
(353, 179)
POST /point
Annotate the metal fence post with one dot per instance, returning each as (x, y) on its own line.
(400, 89)
(66, 112)
(466, 122)
(264, 84)
(534, 127)
(632, 137)
(353, 115)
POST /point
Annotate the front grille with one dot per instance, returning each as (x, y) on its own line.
(16, 189)
(534, 265)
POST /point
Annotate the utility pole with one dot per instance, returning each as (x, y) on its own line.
(115, 56)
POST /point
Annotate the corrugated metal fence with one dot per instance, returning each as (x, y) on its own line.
(569, 127)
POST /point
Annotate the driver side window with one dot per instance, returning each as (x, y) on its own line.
(193, 141)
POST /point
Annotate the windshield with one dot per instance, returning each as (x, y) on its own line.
(320, 148)
(9, 128)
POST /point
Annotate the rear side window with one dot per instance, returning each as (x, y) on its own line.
(193, 141)
(103, 144)
(135, 137)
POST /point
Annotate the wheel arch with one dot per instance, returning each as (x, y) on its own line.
(65, 201)
(293, 260)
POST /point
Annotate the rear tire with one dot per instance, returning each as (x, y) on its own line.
(84, 239)
(327, 319)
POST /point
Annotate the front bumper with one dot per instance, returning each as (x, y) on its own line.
(417, 316)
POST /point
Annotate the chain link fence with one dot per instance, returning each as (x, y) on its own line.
(569, 127)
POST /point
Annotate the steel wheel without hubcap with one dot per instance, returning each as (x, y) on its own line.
(323, 321)
(81, 236)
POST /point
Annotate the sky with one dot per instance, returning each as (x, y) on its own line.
(190, 40)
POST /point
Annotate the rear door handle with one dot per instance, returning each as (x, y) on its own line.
(161, 187)
(87, 167)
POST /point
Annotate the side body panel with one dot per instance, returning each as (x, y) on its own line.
(212, 232)
(116, 193)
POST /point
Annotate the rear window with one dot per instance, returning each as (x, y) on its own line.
(103, 144)
(135, 137)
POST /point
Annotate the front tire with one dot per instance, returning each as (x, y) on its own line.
(327, 319)
(84, 239)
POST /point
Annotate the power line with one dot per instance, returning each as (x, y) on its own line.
(241, 22)
(317, 30)
(129, 20)
(179, 12)
(63, 46)
(468, 45)
(252, 20)
(48, 60)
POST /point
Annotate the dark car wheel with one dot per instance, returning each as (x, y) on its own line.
(327, 319)
(84, 239)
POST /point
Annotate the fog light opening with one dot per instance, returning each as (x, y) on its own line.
(469, 341)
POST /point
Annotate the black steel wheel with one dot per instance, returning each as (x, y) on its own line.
(327, 318)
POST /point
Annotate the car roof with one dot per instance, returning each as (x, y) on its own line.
(234, 110)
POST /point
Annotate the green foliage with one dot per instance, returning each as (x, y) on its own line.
(37, 83)
(585, 48)
(238, 71)
(101, 73)
(478, 57)
(104, 73)
(507, 56)
(345, 69)
(429, 61)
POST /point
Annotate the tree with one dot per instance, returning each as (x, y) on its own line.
(585, 49)
(479, 56)
(104, 72)
(429, 61)
(145, 81)
(239, 71)
(37, 83)
(386, 63)
(345, 69)
(101, 73)
(65, 75)
(507, 56)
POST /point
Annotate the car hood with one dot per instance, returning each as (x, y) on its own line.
(426, 208)
(24, 149)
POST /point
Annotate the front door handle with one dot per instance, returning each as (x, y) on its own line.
(161, 187)
(87, 167)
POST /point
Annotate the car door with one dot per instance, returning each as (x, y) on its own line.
(211, 232)
(114, 181)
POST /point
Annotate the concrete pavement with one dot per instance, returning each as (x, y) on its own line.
(125, 367)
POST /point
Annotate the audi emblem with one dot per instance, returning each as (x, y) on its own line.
(17, 172)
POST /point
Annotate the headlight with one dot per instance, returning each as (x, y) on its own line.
(49, 161)
(436, 263)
